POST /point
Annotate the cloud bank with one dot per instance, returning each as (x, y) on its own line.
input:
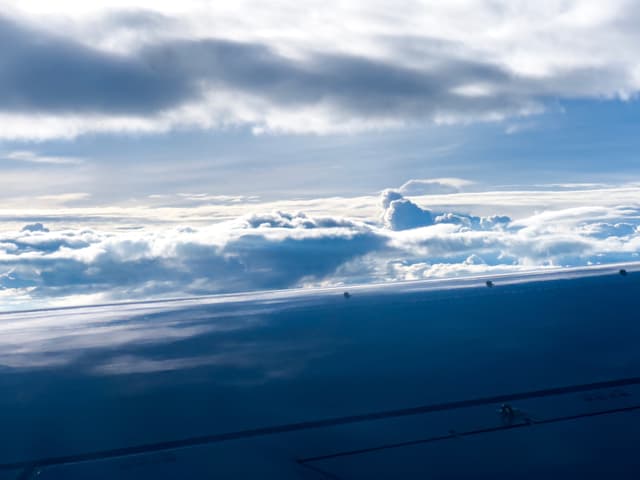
(49, 264)
(322, 67)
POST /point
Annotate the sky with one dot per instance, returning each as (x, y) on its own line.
(153, 149)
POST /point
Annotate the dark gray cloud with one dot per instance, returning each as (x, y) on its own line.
(45, 73)
(298, 83)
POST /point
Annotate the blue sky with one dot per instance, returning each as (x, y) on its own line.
(273, 146)
(568, 144)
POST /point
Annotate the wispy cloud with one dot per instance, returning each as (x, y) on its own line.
(519, 127)
(434, 186)
(62, 198)
(33, 157)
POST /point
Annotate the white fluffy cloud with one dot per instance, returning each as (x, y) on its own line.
(306, 67)
(399, 213)
(403, 240)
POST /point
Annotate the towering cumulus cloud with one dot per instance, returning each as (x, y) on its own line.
(400, 213)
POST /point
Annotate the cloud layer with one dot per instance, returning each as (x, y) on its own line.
(45, 265)
(317, 68)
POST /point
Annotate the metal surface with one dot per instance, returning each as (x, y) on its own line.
(385, 367)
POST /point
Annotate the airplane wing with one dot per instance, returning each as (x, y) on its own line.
(513, 376)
